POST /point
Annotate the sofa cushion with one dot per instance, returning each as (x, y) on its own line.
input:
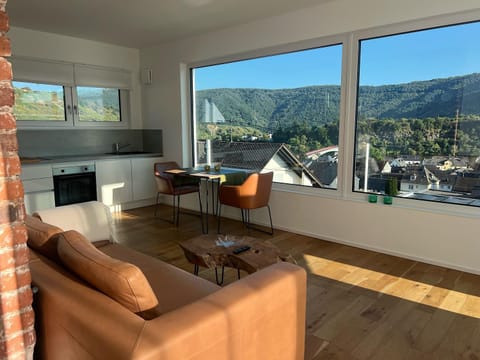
(41, 237)
(122, 281)
(92, 219)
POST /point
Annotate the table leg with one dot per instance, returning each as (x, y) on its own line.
(206, 205)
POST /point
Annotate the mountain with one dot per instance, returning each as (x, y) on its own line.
(317, 105)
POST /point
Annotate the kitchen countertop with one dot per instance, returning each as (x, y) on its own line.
(46, 159)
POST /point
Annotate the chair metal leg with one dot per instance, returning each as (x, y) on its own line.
(250, 226)
(156, 204)
(174, 210)
(178, 210)
(201, 212)
(216, 275)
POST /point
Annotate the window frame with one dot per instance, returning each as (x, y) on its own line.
(341, 39)
(389, 30)
(42, 71)
(347, 124)
(124, 100)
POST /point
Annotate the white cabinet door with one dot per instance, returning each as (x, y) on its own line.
(144, 186)
(39, 201)
(38, 187)
(114, 181)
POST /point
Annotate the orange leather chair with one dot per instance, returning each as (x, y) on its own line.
(254, 193)
(169, 184)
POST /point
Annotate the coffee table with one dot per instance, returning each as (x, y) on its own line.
(213, 251)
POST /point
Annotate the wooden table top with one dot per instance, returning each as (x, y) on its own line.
(207, 250)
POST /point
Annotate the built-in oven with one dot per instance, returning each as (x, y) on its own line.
(74, 184)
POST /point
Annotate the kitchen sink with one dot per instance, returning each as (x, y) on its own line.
(128, 153)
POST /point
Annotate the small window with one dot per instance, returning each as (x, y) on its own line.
(39, 102)
(98, 104)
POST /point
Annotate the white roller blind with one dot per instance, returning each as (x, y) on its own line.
(47, 72)
(86, 75)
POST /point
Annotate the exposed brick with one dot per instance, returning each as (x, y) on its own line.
(7, 95)
(10, 236)
(11, 212)
(11, 190)
(7, 120)
(5, 69)
(14, 278)
(9, 165)
(8, 141)
(5, 48)
(18, 256)
(17, 343)
(13, 323)
(22, 300)
(4, 23)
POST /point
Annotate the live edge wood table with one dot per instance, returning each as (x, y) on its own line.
(214, 251)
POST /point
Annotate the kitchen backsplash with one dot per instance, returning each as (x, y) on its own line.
(34, 143)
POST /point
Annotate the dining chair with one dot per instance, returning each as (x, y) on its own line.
(253, 193)
(175, 185)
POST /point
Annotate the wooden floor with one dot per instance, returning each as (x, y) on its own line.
(361, 304)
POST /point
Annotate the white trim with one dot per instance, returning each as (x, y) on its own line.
(348, 110)
(378, 249)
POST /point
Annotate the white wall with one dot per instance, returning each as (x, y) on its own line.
(446, 239)
(43, 45)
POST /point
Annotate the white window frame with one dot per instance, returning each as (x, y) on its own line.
(63, 74)
(355, 38)
(124, 98)
(347, 124)
(342, 40)
(68, 123)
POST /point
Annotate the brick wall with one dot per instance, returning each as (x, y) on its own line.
(17, 335)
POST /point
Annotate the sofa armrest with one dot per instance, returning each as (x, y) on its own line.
(259, 317)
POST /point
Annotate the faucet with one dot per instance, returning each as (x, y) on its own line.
(117, 147)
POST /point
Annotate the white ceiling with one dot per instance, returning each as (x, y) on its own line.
(142, 23)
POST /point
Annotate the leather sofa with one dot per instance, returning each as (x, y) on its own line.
(98, 299)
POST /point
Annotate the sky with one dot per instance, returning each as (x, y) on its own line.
(423, 55)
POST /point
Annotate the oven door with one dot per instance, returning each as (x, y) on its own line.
(74, 188)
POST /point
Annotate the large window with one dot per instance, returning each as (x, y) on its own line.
(418, 115)
(277, 113)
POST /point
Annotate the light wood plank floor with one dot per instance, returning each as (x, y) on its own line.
(361, 304)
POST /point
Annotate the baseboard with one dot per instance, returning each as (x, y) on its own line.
(381, 250)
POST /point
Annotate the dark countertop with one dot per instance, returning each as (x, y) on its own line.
(47, 159)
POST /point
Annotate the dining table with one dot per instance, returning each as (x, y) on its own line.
(213, 176)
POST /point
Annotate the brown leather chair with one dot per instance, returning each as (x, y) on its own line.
(169, 184)
(254, 193)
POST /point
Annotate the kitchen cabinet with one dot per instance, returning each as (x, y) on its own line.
(143, 180)
(114, 181)
(38, 187)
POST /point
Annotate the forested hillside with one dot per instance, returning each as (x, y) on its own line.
(417, 118)
(270, 109)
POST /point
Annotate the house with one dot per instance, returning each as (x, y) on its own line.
(419, 181)
(159, 59)
(264, 156)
